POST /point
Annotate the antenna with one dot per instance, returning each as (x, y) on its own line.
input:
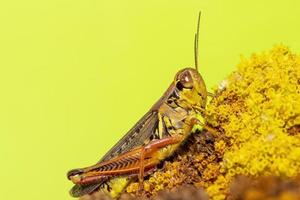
(196, 43)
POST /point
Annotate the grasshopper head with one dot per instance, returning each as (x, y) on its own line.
(191, 88)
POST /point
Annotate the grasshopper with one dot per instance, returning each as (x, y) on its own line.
(155, 137)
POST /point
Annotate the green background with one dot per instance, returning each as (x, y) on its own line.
(76, 75)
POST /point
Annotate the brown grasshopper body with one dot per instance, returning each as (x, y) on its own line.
(153, 138)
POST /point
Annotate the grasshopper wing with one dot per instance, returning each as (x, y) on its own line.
(138, 135)
(80, 190)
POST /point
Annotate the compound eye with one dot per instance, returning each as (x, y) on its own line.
(184, 81)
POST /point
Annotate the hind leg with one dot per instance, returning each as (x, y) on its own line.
(150, 149)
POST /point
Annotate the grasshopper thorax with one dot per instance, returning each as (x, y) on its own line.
(191, 88)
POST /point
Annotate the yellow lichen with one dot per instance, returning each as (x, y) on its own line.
(256, 113)
(257, 108)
